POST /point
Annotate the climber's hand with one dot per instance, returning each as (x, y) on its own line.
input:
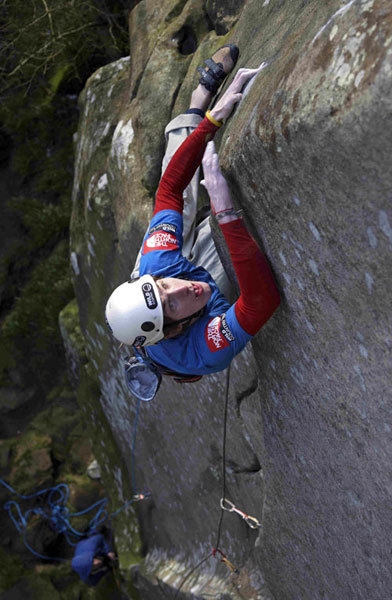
(214, 181)
(232, 95)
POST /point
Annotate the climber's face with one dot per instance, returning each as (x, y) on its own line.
(182, 298)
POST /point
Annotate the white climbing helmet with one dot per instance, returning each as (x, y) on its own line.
(134, 312)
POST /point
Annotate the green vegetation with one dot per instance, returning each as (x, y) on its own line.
(11, 570)
(43, 222)
(30, 338)
(48, 50)
(48, 43)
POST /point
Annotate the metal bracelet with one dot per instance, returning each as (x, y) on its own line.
(228, 212)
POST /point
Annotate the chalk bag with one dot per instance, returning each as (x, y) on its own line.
(142, 378)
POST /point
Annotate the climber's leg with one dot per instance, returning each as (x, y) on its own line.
(175, 133)
(216, 70)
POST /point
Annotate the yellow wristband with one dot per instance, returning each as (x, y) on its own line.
(213, 120)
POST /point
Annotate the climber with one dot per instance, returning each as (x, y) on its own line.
(174, 310)
(93, 557)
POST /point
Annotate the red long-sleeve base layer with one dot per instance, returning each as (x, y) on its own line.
(259, 296)
(182, 167)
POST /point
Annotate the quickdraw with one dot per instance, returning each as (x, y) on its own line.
(225, 560)
(230, 507)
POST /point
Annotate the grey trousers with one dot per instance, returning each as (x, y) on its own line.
(198, 243)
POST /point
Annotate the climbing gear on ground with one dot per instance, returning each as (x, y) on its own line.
(52, 509)
(218, 67)
(230, 507)
(134, 312)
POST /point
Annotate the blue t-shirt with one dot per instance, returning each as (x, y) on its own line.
(210, 344)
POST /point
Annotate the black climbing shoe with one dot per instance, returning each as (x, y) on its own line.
(218, 67)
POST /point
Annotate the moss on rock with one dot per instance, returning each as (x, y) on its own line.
(11, 570)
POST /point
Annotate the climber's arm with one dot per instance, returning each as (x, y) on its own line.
(259, 296)
(182, 167)
(185, 161)
(217, 187)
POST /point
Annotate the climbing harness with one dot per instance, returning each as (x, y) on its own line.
(230, 507)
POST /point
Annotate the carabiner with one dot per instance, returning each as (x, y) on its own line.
(142, 496)
(252, 522)
(227, 505)
(224, 560)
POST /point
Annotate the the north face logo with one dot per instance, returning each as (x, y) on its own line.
(160, 240)
(217, 334)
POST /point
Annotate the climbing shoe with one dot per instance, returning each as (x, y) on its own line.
(218, 67)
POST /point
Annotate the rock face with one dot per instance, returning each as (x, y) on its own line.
(307, 154)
